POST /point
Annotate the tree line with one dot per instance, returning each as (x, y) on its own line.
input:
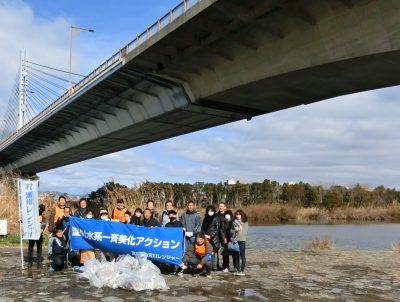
(245, 194)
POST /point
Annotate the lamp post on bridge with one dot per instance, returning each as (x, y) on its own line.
(72, 29)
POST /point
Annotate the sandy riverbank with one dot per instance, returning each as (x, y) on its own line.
(270, 276)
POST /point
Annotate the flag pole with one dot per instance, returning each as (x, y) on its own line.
(20, 223)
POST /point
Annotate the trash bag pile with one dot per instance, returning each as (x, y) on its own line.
(132, 273)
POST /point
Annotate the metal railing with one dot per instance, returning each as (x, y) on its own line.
(174, 13)
(167, 19)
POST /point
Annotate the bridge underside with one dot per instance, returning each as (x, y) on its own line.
(223, 61)
(125, 110)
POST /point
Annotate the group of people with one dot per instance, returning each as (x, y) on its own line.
(218, 234)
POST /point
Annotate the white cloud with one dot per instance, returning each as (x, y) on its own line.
(46, 42)
(124, 167)
(345, 140)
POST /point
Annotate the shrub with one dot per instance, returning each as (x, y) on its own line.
(396, 247)
(317, 243)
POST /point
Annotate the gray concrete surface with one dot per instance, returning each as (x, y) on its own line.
(270, 276)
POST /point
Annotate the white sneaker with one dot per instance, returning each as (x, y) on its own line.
(226, 270)
(240, 274)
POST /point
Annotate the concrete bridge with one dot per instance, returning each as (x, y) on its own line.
(212, 63)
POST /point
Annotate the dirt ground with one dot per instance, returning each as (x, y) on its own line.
(270, 276)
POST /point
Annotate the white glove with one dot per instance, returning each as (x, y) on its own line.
(188, 234)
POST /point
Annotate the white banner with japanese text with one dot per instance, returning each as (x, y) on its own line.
(28, 193)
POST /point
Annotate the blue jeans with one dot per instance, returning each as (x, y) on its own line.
(239, 258)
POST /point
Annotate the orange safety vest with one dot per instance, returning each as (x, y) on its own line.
(119, 214)
(58, 213)
(200, 249)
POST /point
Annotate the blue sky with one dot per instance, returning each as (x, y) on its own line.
(346, 140)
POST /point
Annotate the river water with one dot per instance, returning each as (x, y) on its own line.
(345, 236)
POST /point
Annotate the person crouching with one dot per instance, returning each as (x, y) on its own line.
(198, 256)
(60, 251)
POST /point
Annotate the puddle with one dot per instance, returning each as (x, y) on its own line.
(252, 294)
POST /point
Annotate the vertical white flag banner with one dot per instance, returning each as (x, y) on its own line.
(28, 191)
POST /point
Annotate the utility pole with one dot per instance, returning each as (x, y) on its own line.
(22, 105)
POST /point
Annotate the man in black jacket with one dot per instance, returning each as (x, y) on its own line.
(224, 233)
(174, 223)
(148, 220)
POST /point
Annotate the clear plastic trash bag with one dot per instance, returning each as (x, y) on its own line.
(132, 273)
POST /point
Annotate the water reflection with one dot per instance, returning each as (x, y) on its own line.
(251, 294)
(345, 237)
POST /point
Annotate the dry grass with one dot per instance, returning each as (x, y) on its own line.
(396, 247)
(9, 202)
(323, 243)
(276, 213)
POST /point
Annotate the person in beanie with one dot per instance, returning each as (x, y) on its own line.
(39, 242)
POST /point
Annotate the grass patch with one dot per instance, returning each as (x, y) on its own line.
(323, 243)
(10, 240)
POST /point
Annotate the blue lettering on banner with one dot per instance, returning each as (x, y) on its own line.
(160, 244)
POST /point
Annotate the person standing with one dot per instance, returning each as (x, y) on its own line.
(63, 223)
(128, 217)
(174, 223)
(164, 218)
(85, 255)
(210, 228)
(225, 234)
(240, 227)
(191, 224)
(39, 242)
(150, 206)
(82, 209)
(56, 213)
(148, 220)
(118, 213)
(222, 209)
(137, 217)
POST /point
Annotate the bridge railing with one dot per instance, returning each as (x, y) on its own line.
(174, 13)
(167, 19)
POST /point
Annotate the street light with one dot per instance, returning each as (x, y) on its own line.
(78, 29)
